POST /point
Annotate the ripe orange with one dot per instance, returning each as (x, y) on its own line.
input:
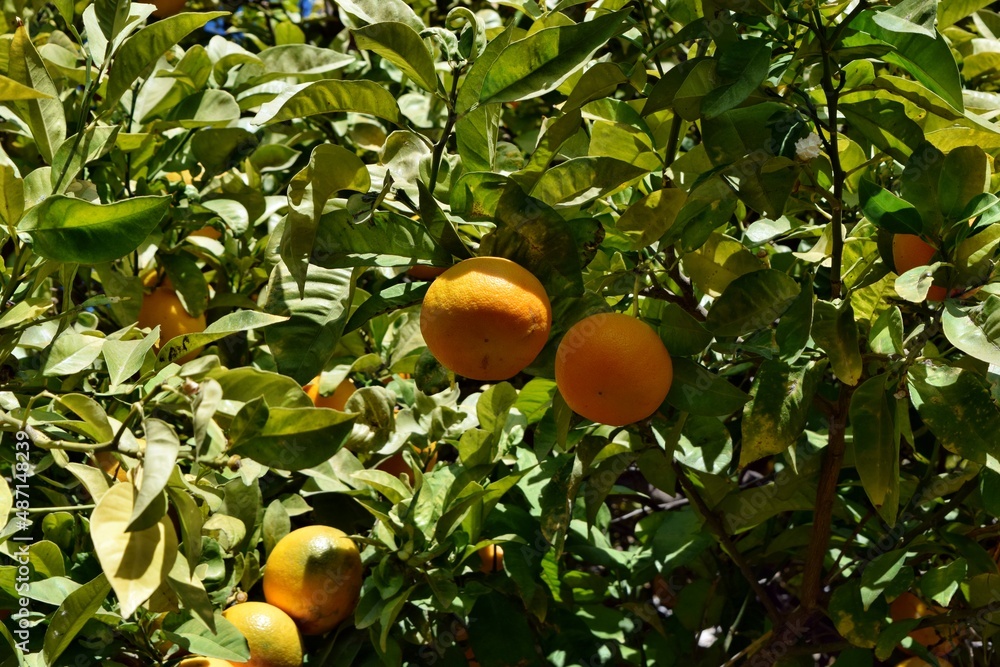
(162, 307)
(920, 662)
(613, 369)
(424, 272)
(208, 232)
(486, 318)
(167, 8)
(908, 606)
(112, 466)
(335, 401)
(492, 557)
(910, 251)
(314, 574)
(396, 465)
(205, 662)
(273, 638)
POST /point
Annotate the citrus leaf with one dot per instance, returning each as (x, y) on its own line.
(158, 461)
(330, 96)
(876, 446)
(137, 562)
(742, 67)
(752, 302)
(241, 320)
(296, 438)
(780, 400)
(542, 61)
(141, 51)
(976, 330)
(78, 608)
(836, 333)
(67, 229)
(402, 46)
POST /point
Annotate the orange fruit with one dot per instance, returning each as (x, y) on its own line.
(167, 8)
(162, 307)
(205, 662)
(314, 575)
(112, 466)
(920, 662)
(486, 318)
(910, 251)
(492, 557)
(273, 638)
(424, 272)
(208, 232)
(396, 465)
(908, 606)
(335, 401)
(613, 369)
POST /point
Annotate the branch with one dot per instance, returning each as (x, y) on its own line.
(715, 525)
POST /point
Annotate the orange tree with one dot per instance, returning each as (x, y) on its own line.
(790, 203)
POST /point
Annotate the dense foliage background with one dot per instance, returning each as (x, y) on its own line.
(732, 171)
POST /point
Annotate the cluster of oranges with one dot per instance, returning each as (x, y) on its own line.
(312, 582)
(488, 318)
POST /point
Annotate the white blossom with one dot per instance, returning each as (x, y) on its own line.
(808, 147)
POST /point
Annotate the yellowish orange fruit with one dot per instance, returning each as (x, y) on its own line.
(486, 318)
(613, 369)
(167, 8)
(208, 232)
(910, 251)
(271, 634)
(920, 662)
(425, 272)
(314, 574)
(939, 639)
(205, 662)
(492, 558)
(162, 307)
(112, 466)
(396, 465)
(335, 401)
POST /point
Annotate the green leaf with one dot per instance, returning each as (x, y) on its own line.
(387, 239)
(44, 114)
(888, 211)
(752, 302)
(853, 621)
(316, 318)
(73, 154)
(78, 608)
(378, 11)
(780, 400)
(652, 216)
(965, 174)
(402, 46)
(235, 322)
(68, 229)
(683, 335)
(392, 298)
(884, 573)
(542, 61)
(331, 169)
(928, 58)
(885, 124)
(742, 67)
(941, 583)
(699, 392)
(124, 358)
(11, 91)
(951, 12)
(876, 445)
(140, 52)
(706, 445)
(330, 96)
(296, 438)
(974, 330)
(958, 408)
(112, 15)
(583, 179)
(836, 333)
(225, 643)
(158, 461)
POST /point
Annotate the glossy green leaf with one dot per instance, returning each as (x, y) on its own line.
(780, 401)
(235, 322)
(752, 302)
(43, 114)
(330, 96)
(378, 11)
(956, 405)
(296, 438)
(540, 62)
(159, 459)
(742, 67)
(78, 608)
(876, 445)
(836, 333)
(889, 211)
(698, 391)
(402, 46)
(974, 330)
(141, 51)
(67, 229)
